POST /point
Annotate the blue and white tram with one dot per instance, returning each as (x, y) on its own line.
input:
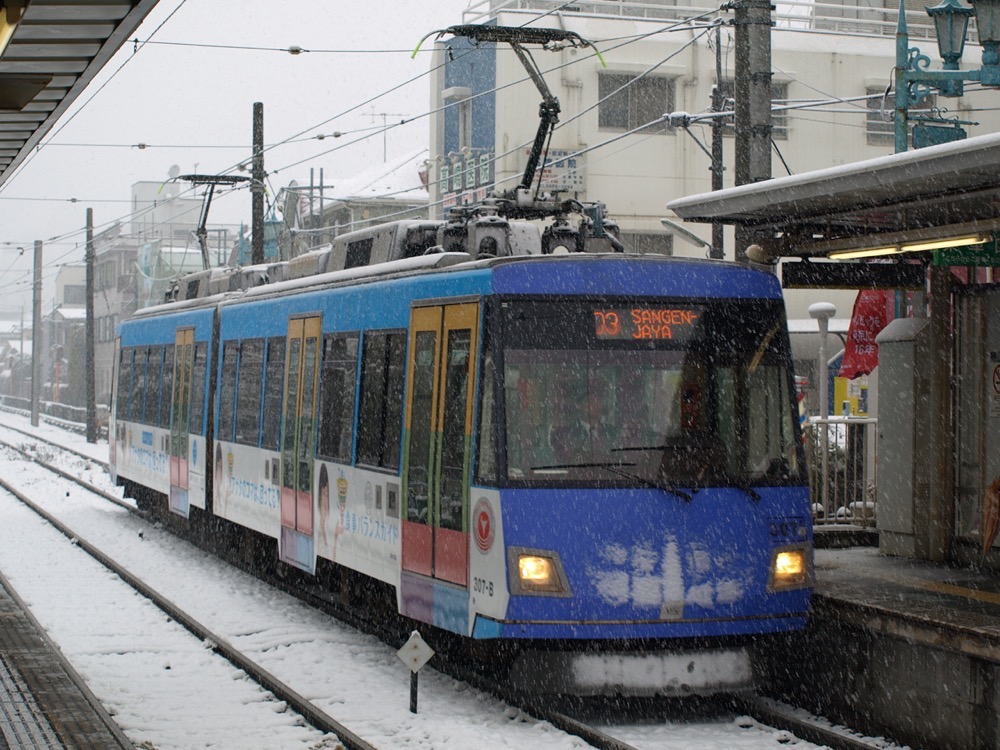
(159, 406)
(576, 449)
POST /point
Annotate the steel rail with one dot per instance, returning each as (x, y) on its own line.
(316, 717)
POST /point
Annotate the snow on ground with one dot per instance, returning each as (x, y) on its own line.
(168, 690)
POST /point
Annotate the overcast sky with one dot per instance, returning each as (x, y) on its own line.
(193, 107)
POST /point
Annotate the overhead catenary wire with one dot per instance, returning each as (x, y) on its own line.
(375, 130)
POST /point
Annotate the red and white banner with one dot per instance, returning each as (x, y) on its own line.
(870, 315)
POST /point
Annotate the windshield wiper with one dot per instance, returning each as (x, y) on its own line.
(665, 486)
(615, 468)
(599, 465)
(746, 485)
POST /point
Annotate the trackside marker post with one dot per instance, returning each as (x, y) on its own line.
(415, 653)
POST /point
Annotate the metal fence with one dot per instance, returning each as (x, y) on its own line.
(843, 469)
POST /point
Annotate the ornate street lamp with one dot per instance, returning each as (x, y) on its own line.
(914, 81)
(951, 21)
(988, 25)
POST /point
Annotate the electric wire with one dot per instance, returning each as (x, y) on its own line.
(376, 131)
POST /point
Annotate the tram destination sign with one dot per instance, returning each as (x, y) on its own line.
(646, 322)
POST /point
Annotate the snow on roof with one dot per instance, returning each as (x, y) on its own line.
(72, 313)
(398, 180)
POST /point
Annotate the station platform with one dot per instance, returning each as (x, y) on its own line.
(899, 648)
(44, 703)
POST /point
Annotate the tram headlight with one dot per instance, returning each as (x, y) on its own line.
(536, 572)
(791, 568)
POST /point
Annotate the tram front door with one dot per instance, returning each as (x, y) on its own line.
(298, 419)
(180, 416)
(437, 443)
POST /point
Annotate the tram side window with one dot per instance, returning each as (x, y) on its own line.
(380, 420)
(153, 382)
(274, 383)
(198, 388)
(124, 383)
(138, 384)
(338, 378)
(248, 392)
(168, 386)
(227, 391)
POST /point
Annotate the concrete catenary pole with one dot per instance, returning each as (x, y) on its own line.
(752, 94)
(89, 333)
(257, 186)
(718, 104)
(36, 335)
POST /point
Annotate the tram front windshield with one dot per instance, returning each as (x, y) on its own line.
(634, 393)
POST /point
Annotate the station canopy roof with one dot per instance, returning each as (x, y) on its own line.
(54, 53)
(934, 193)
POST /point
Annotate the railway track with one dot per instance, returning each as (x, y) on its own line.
(751, 712)
(219, 644)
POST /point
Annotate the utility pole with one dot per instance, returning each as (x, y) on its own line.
(257, 186)
(89, 343)
(752, 90)
(718, 104)
(36, 335)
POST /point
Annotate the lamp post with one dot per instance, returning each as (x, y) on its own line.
(822, 312)
(914, 81)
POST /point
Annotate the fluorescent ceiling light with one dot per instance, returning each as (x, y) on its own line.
(870, 252)
(913, 247)
(916, 247)
(10, 15)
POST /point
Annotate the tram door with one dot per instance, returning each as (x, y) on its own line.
(113, 415)
(435, 536)
(180, 414)
(297, 442)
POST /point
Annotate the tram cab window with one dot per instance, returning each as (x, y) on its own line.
(380, 421)
(274, 383)
(248, 391)
(708, 402)
(338, 378)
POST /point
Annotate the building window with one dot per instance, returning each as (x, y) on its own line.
(779, 119)
(628, 102)
(74, 294)
(880, 127)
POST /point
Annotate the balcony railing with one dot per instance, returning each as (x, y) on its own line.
(849, 17)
